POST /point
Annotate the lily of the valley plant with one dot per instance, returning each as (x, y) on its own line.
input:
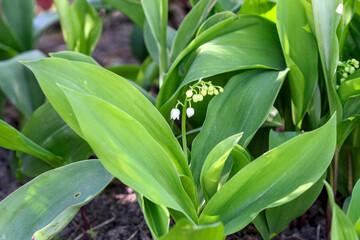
(236, 74)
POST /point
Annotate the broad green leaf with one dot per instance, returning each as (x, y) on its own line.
(264, 8)
(244, 42)
(278, 138)
(137, 43)
(341, 226)
(131, 8)
(116, 138)
(214, 164)
(344, 128)
(279, 217)
(74, 56)
(273, 179)
(126, 71)
(214, 19)
(349, 88)
(19, 84)
(104, 84)
(230, 5)
(157, 217)
(352, 107)
(156, 13)
(47, 129)
(326, 21)
(147, 74)
(314, 111)
(153, 46)
(246, 92)
(81, 25)
(240, 158)
(300, 51)
(190, 25)
(10, 138)
(44, 20)
(353, 212)
(185, 230)
(19, 15)
(274, 220)
(9, 42)
(50, 200)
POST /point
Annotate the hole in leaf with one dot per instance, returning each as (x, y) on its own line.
(77, 195)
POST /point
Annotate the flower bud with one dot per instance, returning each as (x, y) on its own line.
(204, 88)
(211, 88)
(221, 89)
(194, 98)
(211, 92)
(352, 70)
(203, 92)
(189, 93)
(200, 97)
(345, 75)
(190, 112)
(216, 92)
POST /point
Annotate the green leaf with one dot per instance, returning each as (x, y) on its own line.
(215, 19)
(246, 92)
(74, 56)
(224, 47)
(156, 13)
(279, 217)
(185, 230)
(326, 21)
(10, 138)
(278, 138)
(349, 88)
(124, 71)
(157, 217)
(19, 84)
(353, 212)
(344, 128)
(137, 43)
(9, 42)
(47, 129)
(20, 20)
(214, 164)
(50, 200)
(341, 226)
(300, 51)
(230, 5)
(131, 8)
(190, 25)
(153, 46)
(352, 107)
(91, 79)
(289, 173)
(240, 158)
(116, 138)
(81, 25)
(264, 8)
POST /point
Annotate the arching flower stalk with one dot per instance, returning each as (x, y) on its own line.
(196, 93)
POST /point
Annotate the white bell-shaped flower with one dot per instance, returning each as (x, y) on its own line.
(190, 112)
(175, 114)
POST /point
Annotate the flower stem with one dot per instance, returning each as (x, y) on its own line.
(183, 130)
